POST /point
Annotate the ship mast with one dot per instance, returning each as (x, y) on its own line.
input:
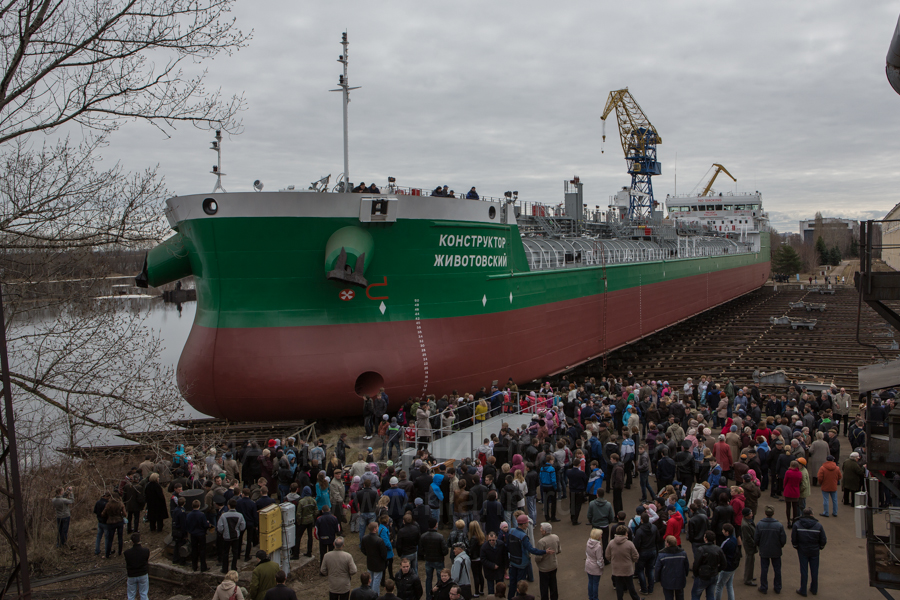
(344, 86)
(217, 168)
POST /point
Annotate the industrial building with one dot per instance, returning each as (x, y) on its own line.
(844, 226)
(890, 239)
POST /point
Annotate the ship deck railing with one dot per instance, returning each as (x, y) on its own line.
(414, 191)
(545, 253)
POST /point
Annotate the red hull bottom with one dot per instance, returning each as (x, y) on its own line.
(310, 372)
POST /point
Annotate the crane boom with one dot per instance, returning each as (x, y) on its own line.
(639, 139)
(630, 118)
(719, 169)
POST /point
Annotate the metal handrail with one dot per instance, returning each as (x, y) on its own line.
(468, 422)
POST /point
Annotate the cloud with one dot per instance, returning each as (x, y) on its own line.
(790, 97)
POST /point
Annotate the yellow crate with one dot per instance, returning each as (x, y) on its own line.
(270, 519)
(269, 542)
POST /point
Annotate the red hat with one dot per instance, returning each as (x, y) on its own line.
(522, 519)
(271, 443)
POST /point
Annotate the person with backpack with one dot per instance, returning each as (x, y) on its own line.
(732, 551)
(306, 520)
(646, 540)
(548, 488)
(461, 570)
(520, 551)
(709, 561)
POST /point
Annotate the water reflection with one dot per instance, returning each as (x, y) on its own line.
(170, 321)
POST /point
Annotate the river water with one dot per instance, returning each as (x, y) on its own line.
(169, 323)
(173, 324)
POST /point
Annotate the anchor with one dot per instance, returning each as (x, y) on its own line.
(343, 272)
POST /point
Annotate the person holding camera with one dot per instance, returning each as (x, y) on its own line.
(62, 503)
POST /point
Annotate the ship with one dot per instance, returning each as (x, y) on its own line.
(308, 300)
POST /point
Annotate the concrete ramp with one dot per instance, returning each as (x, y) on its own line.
(461, 444)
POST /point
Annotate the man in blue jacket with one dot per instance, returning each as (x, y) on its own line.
(808, 537)
(520, 551)
(671, 569)
(732, 558)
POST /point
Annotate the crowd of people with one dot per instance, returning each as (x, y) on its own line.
(703, 455)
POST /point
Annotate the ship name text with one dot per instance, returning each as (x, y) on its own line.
(469, 260)
(472, 241)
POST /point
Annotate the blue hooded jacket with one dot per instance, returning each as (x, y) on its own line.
(323, 498)
(436, 496)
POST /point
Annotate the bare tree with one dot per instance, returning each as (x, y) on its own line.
(89, 62)
(80, 363)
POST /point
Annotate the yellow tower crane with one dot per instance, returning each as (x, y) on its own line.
(639, 139)
(719, 169)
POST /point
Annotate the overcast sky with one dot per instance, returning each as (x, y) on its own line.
(790, 96)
